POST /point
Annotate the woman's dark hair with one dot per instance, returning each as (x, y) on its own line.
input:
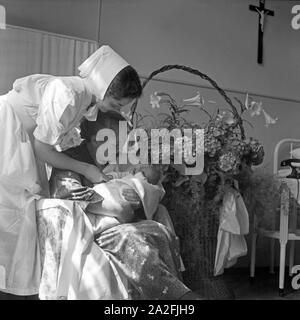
(126, 84)
(108, 120)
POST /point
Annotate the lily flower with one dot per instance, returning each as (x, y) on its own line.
(195, 101)
(255, 108)
(154, 100)
(269, 120)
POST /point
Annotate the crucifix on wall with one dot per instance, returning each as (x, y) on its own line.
(262, 12)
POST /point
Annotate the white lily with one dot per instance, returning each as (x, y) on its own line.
(154, 100)
(269, 120)
(255, 108)
(195, 101)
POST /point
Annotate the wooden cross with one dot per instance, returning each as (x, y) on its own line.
(262, 11)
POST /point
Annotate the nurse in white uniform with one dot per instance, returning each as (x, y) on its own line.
(35, 117)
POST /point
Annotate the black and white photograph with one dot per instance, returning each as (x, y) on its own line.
(150, 150)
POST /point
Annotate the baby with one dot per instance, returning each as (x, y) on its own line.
(114, 209)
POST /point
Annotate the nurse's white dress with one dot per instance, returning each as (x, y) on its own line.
(47, 108)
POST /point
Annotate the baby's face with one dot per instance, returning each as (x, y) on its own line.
(152, 173)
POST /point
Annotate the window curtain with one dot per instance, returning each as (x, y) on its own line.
(26, 51)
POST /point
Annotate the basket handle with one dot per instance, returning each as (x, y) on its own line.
(201, 75)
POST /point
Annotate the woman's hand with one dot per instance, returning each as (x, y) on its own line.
(60, 160)
(93, 174)
(132, 197)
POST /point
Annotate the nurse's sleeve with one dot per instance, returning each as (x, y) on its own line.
(52, 119)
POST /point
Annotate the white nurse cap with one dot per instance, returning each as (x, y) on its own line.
(101, 68)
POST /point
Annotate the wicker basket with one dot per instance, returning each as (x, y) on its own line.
(198, 259)
(198, 244)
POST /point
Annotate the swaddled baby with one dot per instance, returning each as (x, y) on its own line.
(114, 209)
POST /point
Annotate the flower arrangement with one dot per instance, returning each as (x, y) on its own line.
(193, 201)
(228, 153)
(226, 149)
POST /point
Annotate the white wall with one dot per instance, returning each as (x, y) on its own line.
(216, 36)
(70, 17)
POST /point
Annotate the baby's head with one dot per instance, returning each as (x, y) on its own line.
(151, 172)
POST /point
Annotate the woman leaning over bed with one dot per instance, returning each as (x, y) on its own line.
(35, 116)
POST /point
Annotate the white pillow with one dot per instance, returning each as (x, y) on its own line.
(296, 153)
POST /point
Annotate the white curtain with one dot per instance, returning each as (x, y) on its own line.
(26, 51)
